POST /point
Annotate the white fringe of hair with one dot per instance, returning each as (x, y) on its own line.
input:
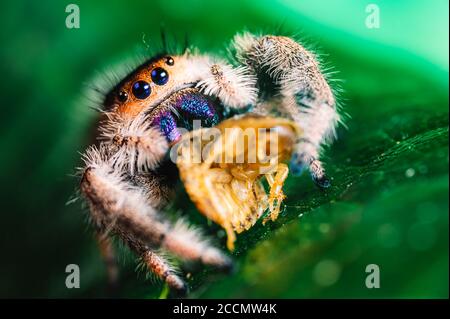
(116, 182)
(235, 87)
(144, 146)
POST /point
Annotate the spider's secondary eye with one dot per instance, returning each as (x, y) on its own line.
(169, 61)
(123, 96)
(141, 90)
(160, 76)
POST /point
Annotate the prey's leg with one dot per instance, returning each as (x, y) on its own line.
(276, 195)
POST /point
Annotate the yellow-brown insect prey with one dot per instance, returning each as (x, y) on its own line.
(227, 183)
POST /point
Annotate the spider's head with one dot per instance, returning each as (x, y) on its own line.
(163, 90)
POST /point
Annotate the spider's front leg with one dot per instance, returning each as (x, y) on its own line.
(118, 206)
(292, 84)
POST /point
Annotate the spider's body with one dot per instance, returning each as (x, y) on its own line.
(128, 180)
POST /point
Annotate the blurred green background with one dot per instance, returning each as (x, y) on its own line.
(389, 201)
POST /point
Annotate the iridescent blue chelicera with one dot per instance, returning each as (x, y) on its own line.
(168, 126)
(198, 107)
(190, 107)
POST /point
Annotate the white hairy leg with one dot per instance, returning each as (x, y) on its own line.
(122, 208)
(162, 268)
(139, 147)
(302, 93)
(234, 86)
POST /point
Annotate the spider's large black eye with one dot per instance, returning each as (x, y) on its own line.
(160, 76)
(141, 90)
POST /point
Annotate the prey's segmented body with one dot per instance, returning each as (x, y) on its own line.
(127, 180)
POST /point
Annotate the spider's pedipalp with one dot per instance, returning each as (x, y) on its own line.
(140, 146)
(235, 87)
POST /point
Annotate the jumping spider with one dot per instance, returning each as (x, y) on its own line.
(127, 180)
